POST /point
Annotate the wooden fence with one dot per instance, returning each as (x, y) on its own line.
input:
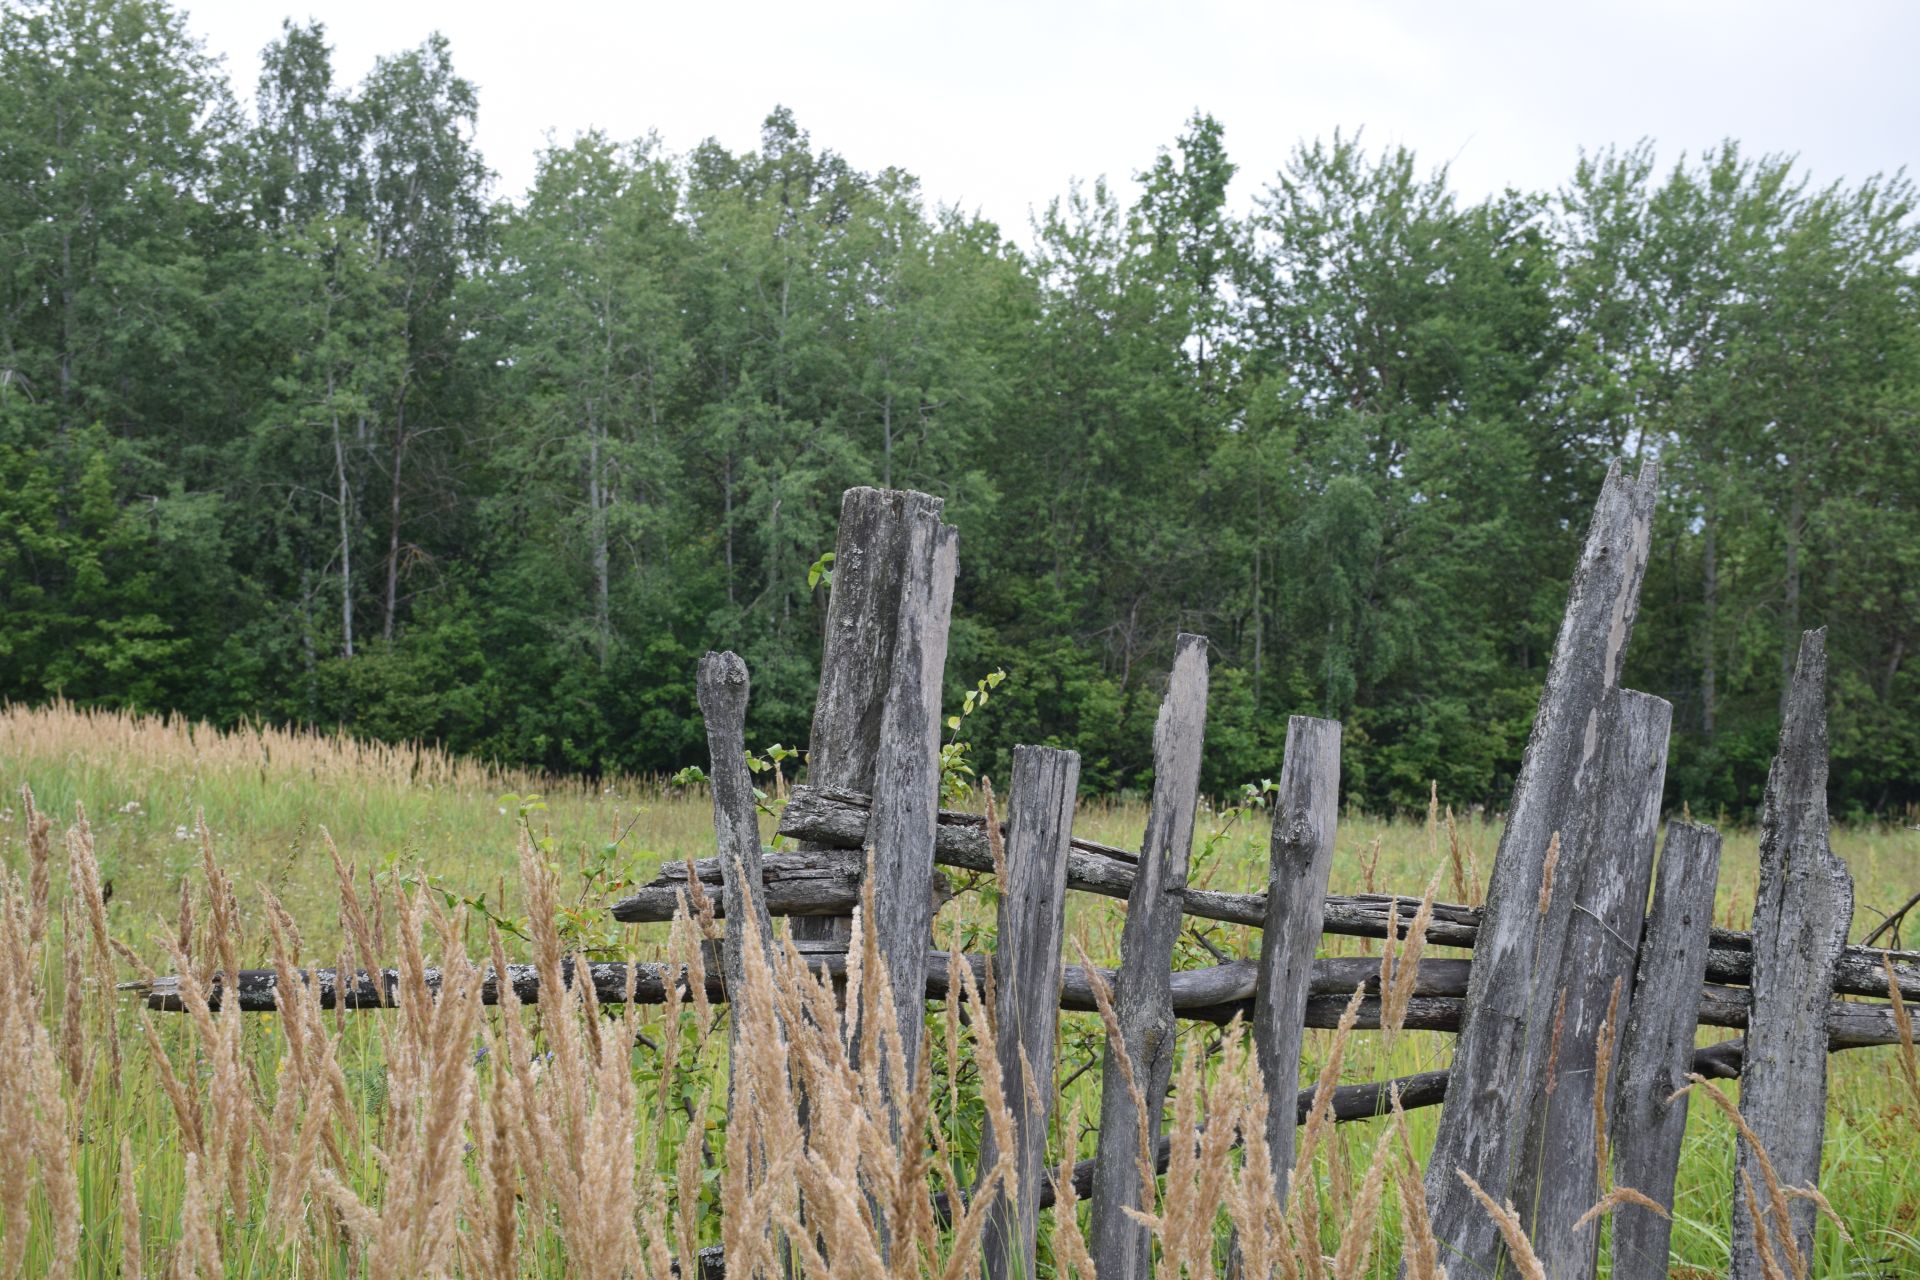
(1582, 932)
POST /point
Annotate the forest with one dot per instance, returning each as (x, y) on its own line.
(303, 422)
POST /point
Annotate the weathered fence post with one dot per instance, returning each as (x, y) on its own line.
(1026, 969)
(1656, 1048)
(856, 658)
(1143, 995)
(1501, 1045)
(1800, 919)
(906, 775)
(723, 689)
(1301, 857)
(1588, 984)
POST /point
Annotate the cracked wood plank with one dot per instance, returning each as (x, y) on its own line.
(1502, 1043)
(1026, 977)
(1300, 860)
(1800, 918)
(1143, 999)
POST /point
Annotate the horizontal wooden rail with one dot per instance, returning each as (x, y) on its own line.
(1216, 993)
(827, 882)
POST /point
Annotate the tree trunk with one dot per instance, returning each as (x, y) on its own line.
(726, 487)
(393, 516)
(66, 332)
(343, 501)
(1259, 633)
(1790, 646)
(1710, 613)
(66, 294)
(597, 506)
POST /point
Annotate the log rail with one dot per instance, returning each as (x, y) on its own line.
(826, 881)
(1214, 994)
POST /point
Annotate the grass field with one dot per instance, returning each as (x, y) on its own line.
(414, 819)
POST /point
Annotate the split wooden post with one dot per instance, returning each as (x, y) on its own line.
(1800, 919)
(856, 658)
(1026, 972)
(1301, 858)
(1589, 989)
(724, 686)
(1656, 1048)
(1143, 995)
(906, 776)
(1501, 1044)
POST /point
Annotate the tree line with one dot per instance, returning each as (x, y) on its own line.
(299, 421)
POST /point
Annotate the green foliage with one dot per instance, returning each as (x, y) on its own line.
(956, 773)
(295, 423)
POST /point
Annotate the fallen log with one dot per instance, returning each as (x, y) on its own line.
(1216, 993)
(827, 882)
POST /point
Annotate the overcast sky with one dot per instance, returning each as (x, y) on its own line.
(997, 105)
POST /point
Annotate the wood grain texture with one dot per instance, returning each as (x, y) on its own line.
(906, 774)
(1590, 980)
(1299, 862)
(1801, 913)
(856, 656)
(1656, 1047)
(1502, 1041)
(1143, 997)
(1026, 971)
(724, 688)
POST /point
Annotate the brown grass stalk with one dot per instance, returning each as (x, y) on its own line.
(1903, 1023)
(1525, 1260)
(1781, 1223)
(133, 1261)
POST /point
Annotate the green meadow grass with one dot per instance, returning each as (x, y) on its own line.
(457, 827)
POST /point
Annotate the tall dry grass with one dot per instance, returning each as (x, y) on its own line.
(133, 742)
(504, 1137)
(447, 1136)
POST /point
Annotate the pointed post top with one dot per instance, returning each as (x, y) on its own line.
(1803, 727)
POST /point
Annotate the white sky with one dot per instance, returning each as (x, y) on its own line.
(997, 105)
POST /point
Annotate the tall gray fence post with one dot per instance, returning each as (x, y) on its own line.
(906, 778)
(1143, 995)
(1026, 970)
(1800, 919)
(856, 658)
(1656, 1048)
(1590, 978)
(724, 687)
(1300, 861)
(1501, 1043)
